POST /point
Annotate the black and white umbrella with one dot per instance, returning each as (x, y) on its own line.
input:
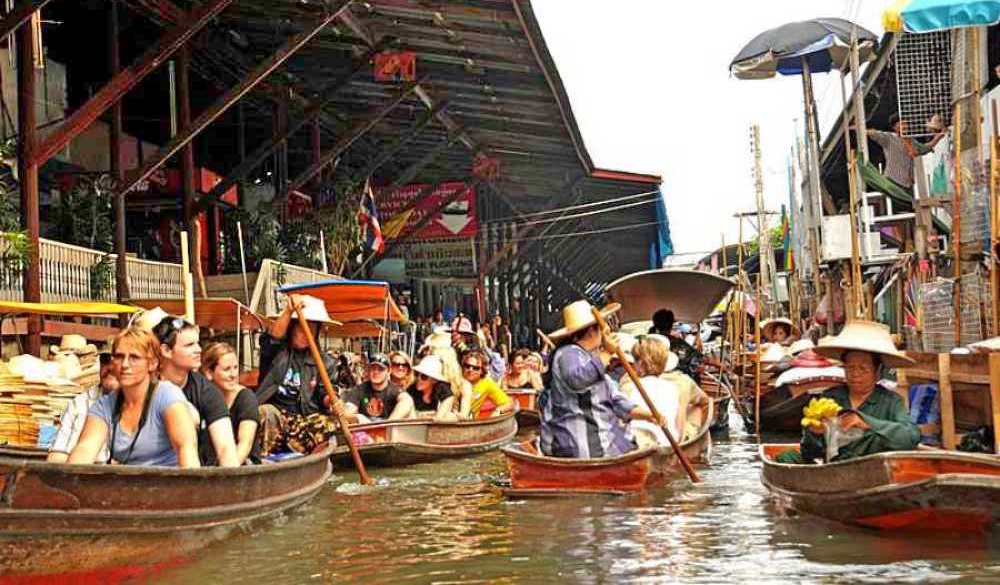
(817, 45)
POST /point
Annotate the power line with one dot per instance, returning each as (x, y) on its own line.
(572, 234)
(522, 216)
(589, 213)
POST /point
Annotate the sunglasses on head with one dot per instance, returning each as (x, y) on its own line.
(167, 329)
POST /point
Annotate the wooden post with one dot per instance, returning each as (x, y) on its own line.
(335, 404)
(947, 401)
(28, 177)
(956, 224)
(994, 361)
(756, 336)
(118, 202)
(995, 223)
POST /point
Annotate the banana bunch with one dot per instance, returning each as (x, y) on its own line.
(818, 410)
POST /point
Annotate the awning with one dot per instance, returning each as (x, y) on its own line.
(921, 16)
(352, 300)
(86, 309)
(690, 294)
(213, 313)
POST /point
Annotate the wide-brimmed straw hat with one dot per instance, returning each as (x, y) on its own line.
(75, 344)
(772, 352)
(150, 318)
(866, 336)
(577, 316)
(437, 340)
(767, 327)
(800, 346)
(432, 367)
(462, 325)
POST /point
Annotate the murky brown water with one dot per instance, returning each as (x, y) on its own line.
(442, 523)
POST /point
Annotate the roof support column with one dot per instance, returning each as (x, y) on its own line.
(231, 97)
(126, 79)
(183, 106)
(28, 176)
(116, 131)
(19, 15)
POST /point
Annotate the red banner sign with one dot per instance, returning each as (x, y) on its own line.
(399, 212)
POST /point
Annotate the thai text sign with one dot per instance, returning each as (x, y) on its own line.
(399, 212)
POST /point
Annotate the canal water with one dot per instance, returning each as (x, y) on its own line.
(443, 523)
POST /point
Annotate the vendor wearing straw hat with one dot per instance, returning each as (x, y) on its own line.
(583, 413)
(865, 348)
(290, 389)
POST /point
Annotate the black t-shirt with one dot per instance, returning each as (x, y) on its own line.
(245, 407)
(374, 405)
(439, 394)
(207, 400)
(287, 396)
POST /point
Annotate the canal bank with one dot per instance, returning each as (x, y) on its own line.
(443, 523)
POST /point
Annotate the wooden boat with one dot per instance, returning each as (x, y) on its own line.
(926, 490)
(781, 408)
(535, 475)
(59, 519)
(421, 440)
(25, 452)
(527, 402)
(720, 402)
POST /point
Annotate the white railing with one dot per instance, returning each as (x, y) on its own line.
(68, 275)
(273, 274)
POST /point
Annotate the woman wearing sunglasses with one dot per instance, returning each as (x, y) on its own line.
(431, 392)
(147, 421)
(401, 369)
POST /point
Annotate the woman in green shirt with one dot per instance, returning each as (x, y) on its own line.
(865, 348)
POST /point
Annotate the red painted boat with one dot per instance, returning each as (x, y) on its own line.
(924, 490)
(58, 519)
(390, 444)
(527, 402)
(535, 475)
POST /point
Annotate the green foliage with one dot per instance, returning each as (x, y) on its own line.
(776, 241)
(102, 273)
(83, 216)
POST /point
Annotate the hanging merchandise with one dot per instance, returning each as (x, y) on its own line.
(824, 310)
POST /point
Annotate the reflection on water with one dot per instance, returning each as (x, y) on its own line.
(444, 523)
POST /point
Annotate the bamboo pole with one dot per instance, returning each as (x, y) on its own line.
(187, 282)
(995, 216)
(546, 341)
(956, 224)
(335, 404)
(649, 402)
(756, 336)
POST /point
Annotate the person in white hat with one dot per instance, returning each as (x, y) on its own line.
(431, 392)
(583, 412)
(779, 330)
(75, 416)
(290, 389)
(865, 348)
(465, 338)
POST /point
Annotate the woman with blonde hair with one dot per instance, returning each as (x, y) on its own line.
(146, 421)
(401, 369)
(460, 387)
(219, 364)
(651, 353)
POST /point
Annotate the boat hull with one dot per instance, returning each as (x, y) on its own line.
(391, 444)
(533, 474)
(924, 491)
(58, 519)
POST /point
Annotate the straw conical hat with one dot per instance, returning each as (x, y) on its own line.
(772, 352)
(800, 346)
(867, 336)
(578, 316)
(149, 318)
(314, 310)
(767, 327)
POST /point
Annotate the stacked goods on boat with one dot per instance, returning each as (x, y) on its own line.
(795, 381)
(34, 393)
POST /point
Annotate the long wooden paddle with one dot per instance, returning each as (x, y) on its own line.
(649, 402)
(335, 404)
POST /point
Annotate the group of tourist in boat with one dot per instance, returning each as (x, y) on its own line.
(163, 401)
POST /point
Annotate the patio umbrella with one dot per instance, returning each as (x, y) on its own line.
(920, 16)
(819, 44)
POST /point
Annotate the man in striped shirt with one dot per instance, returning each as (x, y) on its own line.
(900, 151)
